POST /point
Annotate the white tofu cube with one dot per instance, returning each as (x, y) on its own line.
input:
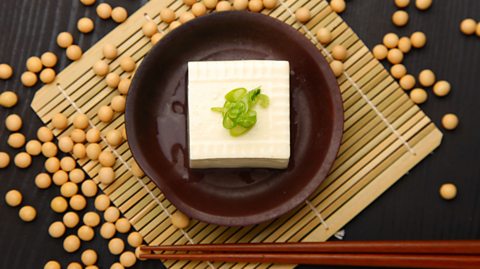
(267, 144)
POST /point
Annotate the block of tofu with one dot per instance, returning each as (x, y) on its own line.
(267, 144)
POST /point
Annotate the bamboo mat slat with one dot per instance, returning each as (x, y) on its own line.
(385, 136)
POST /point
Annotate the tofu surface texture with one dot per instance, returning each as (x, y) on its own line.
(267, 144)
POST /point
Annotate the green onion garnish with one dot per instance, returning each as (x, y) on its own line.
(238, 111)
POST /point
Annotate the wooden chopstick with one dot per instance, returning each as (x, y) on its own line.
(417, 254)
(378, 260)
(413, 247)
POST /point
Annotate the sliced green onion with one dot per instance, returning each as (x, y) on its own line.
(263, 100)
(237, 111)
(236, 94)
(252, 95)
(248, 119)
(238, 130)
(217, 109)
(228, 123)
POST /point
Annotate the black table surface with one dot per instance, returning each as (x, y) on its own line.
(411, 209)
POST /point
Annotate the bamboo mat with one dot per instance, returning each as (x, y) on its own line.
(385, 136)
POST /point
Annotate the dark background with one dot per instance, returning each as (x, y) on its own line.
(412, 209)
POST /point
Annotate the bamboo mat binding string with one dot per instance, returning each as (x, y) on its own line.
(371, 157)
(352, 82)
(129, 168)
(316, 212)
(119, 157)
(92, 125)
(359, 90)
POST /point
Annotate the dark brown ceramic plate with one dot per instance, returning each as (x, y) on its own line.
(156, 119)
